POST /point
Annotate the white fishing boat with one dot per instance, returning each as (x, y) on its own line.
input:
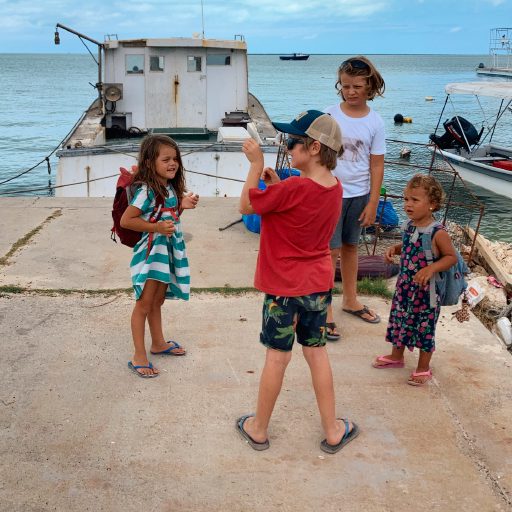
(193, 89)
(500, 53)
(471, 151)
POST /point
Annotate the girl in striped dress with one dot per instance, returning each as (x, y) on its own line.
(159, 266)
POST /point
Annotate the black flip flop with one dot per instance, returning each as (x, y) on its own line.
(348, 436)
(247, 438)
(363, 311)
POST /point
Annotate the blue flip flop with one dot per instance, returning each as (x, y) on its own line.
(348, 436)
(247, 438)
(134, 369)
(169, 351)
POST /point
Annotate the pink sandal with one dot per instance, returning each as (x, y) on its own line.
(427, 374)
(387, 363)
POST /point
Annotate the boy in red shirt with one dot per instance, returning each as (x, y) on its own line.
(298, 218)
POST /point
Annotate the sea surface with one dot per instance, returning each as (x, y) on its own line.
(43, 95)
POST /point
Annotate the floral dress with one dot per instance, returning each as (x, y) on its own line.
(167, 258)
(412, 320)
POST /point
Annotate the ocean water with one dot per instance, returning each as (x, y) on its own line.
(43, 95)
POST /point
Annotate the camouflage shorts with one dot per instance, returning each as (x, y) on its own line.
(285, 316)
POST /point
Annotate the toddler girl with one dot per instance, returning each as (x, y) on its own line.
(412, 320)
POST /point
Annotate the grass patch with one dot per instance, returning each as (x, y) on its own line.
(364, 287)
(377, 286)
(52, 292)
(24, 240)
(224, 290)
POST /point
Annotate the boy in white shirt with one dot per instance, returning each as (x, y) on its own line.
(361, 171)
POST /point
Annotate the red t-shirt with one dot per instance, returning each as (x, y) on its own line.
(298, 218)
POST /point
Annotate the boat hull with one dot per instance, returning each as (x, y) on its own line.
(212, 169)
(496, 180)
(503, 72)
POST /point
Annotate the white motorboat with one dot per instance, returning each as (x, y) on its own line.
(193, 89)
(471, 151)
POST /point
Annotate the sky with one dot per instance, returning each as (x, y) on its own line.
(269, 26)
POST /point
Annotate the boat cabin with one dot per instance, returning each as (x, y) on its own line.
(173, 85)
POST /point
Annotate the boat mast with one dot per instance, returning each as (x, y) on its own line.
(99, 85)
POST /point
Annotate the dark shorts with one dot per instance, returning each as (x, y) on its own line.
(280, 314)
(348, 229)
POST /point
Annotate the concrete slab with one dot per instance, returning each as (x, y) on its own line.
(80, 432)
(74, 250)
(20, 217)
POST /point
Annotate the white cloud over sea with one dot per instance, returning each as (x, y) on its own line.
(269, 26)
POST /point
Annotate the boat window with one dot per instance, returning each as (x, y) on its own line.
(156, 63)
(193, 63)
(218, 59)
(135, 64)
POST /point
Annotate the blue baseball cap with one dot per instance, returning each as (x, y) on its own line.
(315, 124)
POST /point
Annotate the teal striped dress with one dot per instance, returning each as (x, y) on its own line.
(167, 262)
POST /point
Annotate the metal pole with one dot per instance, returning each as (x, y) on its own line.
(202, 17)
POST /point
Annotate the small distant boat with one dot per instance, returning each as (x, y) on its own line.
(295, 56)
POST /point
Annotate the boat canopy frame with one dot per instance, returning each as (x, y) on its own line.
(500, 90)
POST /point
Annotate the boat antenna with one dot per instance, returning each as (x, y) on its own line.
(202, 17)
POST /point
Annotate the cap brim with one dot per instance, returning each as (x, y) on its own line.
(288, 128)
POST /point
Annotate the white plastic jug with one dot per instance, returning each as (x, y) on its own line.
(505, 330)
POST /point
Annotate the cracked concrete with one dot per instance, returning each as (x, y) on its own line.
(79, 432)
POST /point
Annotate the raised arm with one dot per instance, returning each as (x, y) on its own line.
(255, 156)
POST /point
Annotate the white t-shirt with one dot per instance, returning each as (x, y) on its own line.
(361, 137)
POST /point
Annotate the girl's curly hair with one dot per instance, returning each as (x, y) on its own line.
(432, 187)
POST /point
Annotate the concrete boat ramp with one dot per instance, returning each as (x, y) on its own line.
(79, 432)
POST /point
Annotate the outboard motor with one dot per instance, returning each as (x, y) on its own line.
(454, 135)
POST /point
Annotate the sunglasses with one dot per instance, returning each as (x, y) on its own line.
(355, 64)
(292, 142)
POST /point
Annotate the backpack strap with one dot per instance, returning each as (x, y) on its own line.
(426, 243)
(155, 217)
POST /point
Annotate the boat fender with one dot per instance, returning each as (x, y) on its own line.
(399, 119)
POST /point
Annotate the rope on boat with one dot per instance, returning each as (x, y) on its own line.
(50, 188)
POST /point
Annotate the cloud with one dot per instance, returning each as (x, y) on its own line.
(268, 25)
(316, 8)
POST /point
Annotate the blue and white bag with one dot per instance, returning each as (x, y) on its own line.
(449, 284)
